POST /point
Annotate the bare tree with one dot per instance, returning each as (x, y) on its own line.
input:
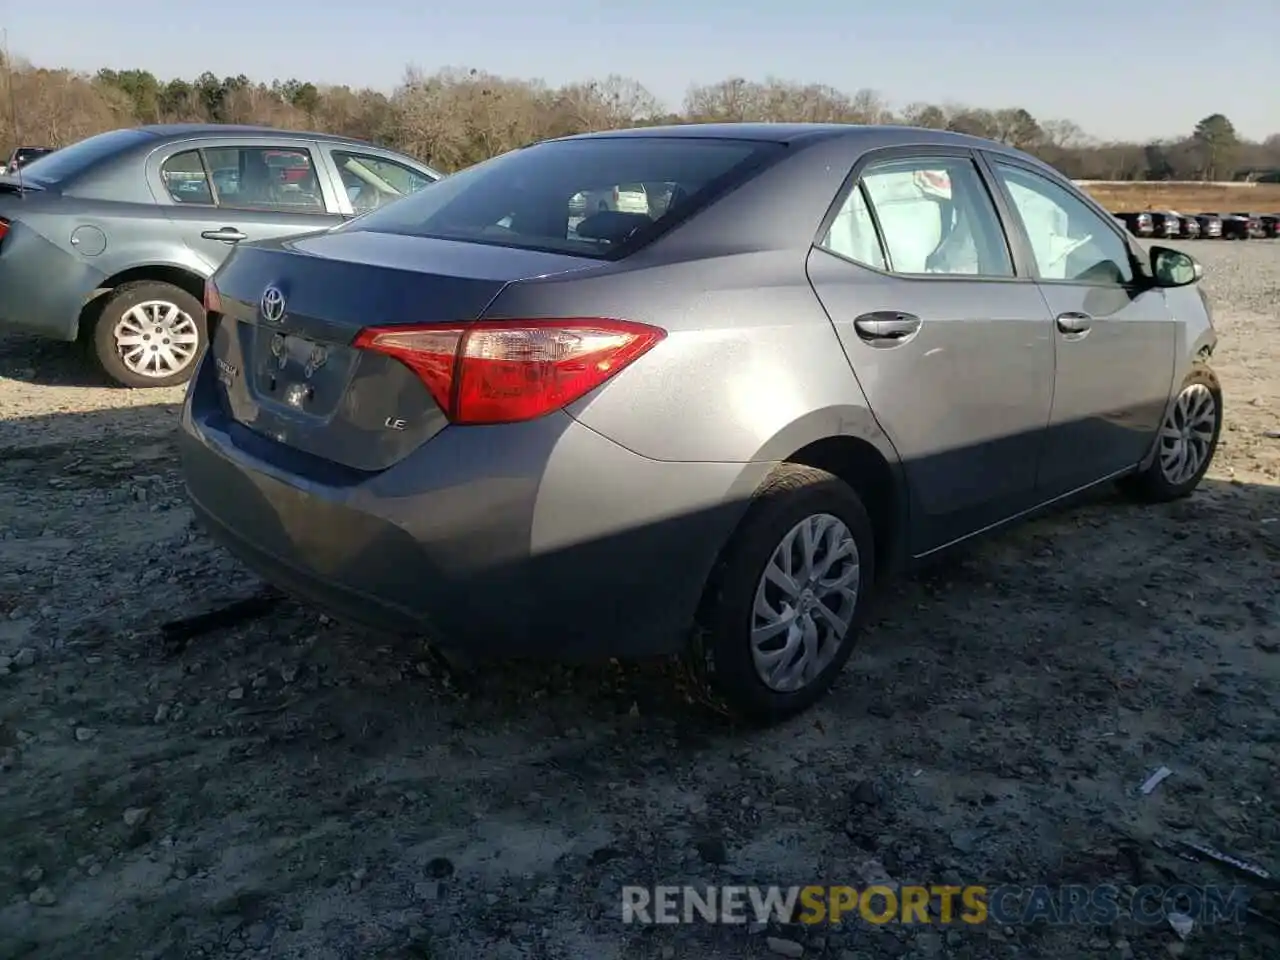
(459, 116)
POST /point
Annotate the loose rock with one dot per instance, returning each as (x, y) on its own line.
(784, 948)
(43, 897)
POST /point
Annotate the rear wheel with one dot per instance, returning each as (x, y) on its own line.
(150, 334)
(784, 607)
(1187, 442)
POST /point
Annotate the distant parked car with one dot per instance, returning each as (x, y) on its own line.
(1139, 224)
(1165, 224)
(1270, 225)
(25, 155)
(1235, 227)
(1256, 228)
(696, 432)
(626, 198)
(110, 240)
(1210, 226)
(1188, 226)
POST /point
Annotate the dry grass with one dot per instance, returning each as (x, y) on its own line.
(1188, 198)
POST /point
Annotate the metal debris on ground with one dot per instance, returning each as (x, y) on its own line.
(1156, 779)
(1204, 852)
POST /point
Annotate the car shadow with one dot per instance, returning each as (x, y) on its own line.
(49, 363)
(1036, 573)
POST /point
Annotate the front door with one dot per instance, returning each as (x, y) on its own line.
(953, 350)
(225, 193)
(1114, 335)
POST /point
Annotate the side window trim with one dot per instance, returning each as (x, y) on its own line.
(885, 255)
(992, 161)
(208, 175)
(1023, 265)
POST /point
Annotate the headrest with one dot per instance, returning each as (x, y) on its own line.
(611, 225)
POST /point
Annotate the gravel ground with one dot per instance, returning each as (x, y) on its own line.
(290, 787)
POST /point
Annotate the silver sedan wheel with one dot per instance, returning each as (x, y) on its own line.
(1187, 434)
(804, 603)
(156, 339)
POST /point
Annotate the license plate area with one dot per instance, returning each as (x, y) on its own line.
(299, 374)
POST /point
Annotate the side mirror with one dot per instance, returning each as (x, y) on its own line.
(1173, 268)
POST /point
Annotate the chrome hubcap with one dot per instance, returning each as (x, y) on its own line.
(156, 338)
(1187, 434)
(804, 603)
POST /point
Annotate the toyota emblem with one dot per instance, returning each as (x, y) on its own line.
(272, 305)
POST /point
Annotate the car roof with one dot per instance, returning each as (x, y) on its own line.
(874, 134)
(175, 131)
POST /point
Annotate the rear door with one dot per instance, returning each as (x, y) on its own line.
(949, 339)
(1114, 335)
(219, 191)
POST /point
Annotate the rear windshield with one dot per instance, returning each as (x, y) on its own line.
(600, 197)
(70, 161)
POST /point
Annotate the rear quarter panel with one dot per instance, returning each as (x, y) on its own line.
(751, 369)
(54, 278)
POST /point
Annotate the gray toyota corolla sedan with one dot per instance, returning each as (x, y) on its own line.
(822, 354)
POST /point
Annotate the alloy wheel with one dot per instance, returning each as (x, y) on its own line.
(1186, 436)
(804, 603)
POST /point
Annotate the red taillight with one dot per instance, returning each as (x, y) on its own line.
(503, 371)
(4, 228)
(212, 299)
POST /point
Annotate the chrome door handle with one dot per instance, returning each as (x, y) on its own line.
(225, 234)
(1074, 322)
(886, 327)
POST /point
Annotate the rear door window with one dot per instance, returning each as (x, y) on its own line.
(936, 216)
(278, 179)
(596, 197)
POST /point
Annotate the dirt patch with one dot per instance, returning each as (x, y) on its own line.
(1119, 198)
(292, 788)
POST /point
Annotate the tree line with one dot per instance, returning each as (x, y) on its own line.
(456, 117)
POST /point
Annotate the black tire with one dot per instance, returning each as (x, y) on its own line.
(721, 655)
(123, 299)
(1152, 485)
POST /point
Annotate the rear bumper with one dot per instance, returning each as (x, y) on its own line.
(42, 287)
(537, 539)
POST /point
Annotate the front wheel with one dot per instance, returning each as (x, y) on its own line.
(1186, 444)
(784, 607)
(150, 334)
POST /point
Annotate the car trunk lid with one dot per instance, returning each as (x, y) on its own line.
(291, 309)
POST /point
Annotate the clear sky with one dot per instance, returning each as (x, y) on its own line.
(1119, 68)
